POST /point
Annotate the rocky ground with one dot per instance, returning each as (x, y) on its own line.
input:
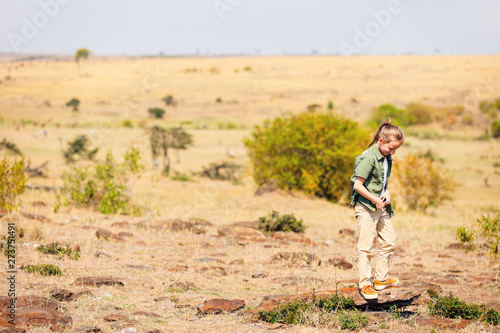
(154, 275)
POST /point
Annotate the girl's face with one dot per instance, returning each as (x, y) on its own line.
(388, 148)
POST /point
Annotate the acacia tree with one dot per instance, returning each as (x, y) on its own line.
(81, 54)
(162, 139)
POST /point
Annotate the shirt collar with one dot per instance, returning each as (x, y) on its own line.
(378, 154)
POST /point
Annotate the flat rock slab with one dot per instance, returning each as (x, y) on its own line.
(12, 330)
(442, 323)
(38, 317)
(67, 295)
(30, 301)
(241, 234)
(387, 298)
(292, 237)
(296, 258)
(85, 329)
(97, 281)
(216, 306)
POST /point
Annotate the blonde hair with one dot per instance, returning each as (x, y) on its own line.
(388, 132)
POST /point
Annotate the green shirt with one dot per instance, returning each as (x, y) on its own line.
(370, 165)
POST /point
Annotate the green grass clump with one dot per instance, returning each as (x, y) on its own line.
(304, 312)
(452, 307)
(55, 248)
(44, 270)
(286, 222)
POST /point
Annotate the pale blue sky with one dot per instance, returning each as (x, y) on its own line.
(148, 27)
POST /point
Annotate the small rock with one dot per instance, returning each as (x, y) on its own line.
(340, 262)
(259, 275)
(184, 286)
(216, 306)
(115, 317)
(203, 260)
(297, 258)
(106, 234)
(97, 281)
(85, 329)
(442, 323)
(238, 262)
(30, 301)
(139, 267)
(61, 294)
(347, 232)
(241, 234)
(146, 314)
(101, 254)
(38, 317)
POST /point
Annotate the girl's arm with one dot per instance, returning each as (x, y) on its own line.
(359, 187)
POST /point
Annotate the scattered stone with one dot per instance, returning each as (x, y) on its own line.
(347, 232)
(455, 246)
(115, 317)
(340, 263)
(139, 267)
(30, 301)
(292, 237)
(297, 258)
(287, 281)
(220, 254)
(97, 281)
(184, 286)
(36, 217)
(12, 330)
(165, 298)
(247, 224)
(38, 317)
(238, 262)
(85, 329)
(243, 235)
(123, 234)
(155, 330)
(259, 275)
(146, 314)
(106, 234)
(99, 254)
(178, 269)
(203, 260)
(217, 271)
(266, 188)
(122, 224)
(442, 323)
(216, 306)
(61, 294)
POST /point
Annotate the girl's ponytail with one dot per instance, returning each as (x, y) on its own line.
(388, 132)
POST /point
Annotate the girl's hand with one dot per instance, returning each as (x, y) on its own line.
(379, 204)
(386, 198)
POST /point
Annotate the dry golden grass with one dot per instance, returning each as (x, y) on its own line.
(275, 85)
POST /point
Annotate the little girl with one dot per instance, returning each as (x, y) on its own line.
(373, 210)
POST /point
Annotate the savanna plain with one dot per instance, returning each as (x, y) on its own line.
(170, 271)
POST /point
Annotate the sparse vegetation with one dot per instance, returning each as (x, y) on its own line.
(309, 152)
(74, 103)
(10, 147)
(495, 129)
(156, 113)
(222, 171)
(424, 182)
(318, 311)
(330, 105)
(161, 139)
(490, 229)
(12, 183)
(80, 147)
(182, 176)
(169, 100)
(218, 100)
(452, 307)
(127, 124)
(43, 269)
(276, 222)
(398, 117)
(466, 238)
(103, 187)
(56, 249)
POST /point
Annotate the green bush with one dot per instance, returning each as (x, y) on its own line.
(79, 146)
(156, 113)
(301, 311)
(351, 320)
(466, 238)
(102, 187)
(169, 100)
(495, 129)
(44, 270)
(311, 152)
(56, 249)
(453, 307)
(128, 124)
(423, 181)
(398, 117)
(275, 222)
(490, 229)
(12, 183)
(74, 103)
(490, 108)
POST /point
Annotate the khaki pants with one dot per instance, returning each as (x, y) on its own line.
(371, 224)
